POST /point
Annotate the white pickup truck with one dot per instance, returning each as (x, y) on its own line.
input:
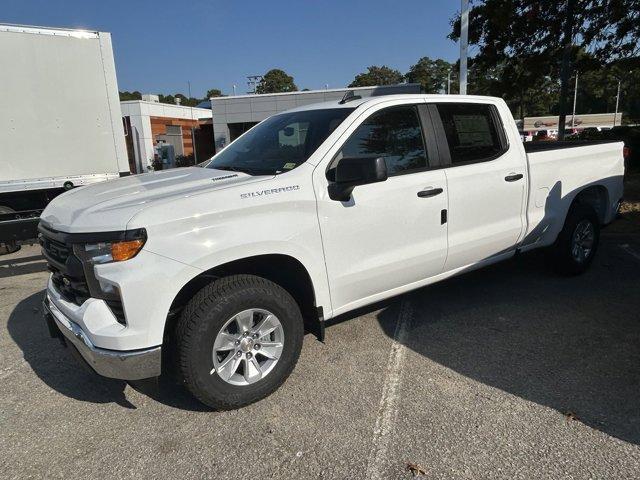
(310, 214)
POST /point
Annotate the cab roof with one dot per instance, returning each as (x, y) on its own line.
(373, 100)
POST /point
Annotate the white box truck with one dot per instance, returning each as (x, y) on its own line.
(60, 121)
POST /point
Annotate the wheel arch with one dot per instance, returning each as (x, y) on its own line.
(282, 269)
(597, 197)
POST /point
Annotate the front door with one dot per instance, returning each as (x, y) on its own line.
(390, 234)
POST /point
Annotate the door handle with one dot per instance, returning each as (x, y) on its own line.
(429, 192)
(513, 177)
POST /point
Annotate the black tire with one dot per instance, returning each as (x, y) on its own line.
(10, 247)
(206, 314)
(561, 256)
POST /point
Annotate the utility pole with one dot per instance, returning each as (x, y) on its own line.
(449, 82)
(193, 130)
(615, 116)
(575, 96)
(252, 82)
(565, 70)
(464, 40)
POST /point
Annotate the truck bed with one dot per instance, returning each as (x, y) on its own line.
(531, 147)
(558, 171)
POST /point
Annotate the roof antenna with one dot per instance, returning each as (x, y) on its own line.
(348, 97)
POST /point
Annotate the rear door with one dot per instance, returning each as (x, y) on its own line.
(486, 182)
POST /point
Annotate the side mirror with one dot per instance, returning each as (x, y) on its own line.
(351, 172)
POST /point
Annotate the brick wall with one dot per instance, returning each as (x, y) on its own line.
(159, 127)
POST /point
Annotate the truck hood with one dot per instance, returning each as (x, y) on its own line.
(110, 205)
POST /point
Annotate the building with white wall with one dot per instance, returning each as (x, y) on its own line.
(147, 122)
(587, 120)
(232, 116)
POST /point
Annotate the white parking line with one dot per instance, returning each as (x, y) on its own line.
(388, 410)
(630, 251)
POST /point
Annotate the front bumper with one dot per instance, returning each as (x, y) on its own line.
(124, 365)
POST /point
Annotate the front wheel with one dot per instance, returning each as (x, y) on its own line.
(238, 340)
(578, 241)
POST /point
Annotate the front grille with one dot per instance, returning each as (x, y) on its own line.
(68, 274)
(54, 250)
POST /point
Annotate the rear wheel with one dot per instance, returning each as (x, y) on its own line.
(238, 340)
(8, 247)
(578, 241)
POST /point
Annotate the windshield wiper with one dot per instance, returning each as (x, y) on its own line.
(247, 170)
(229, 168)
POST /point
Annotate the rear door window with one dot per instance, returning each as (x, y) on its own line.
(473, 132)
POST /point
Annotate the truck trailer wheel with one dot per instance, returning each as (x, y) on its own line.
(238, 340)
(9, 247)
(577, 243)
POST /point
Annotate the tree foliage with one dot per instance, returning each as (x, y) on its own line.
(521, 39)
(125, 96)
(276, 81)
(375, 76)
(214, 92)
(430, 74)
(171, 99)
(504, 29)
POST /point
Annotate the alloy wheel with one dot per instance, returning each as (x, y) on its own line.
(247, 347)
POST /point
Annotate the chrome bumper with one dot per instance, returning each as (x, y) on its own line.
(123, 365)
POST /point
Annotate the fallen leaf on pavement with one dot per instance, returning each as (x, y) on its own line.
(416, 469)
(571, 416)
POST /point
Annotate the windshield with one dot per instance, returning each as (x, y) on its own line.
(280, 143)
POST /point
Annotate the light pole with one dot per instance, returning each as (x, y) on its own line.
(575, 96)
(193, 130)
(464, 40)
(615, 116)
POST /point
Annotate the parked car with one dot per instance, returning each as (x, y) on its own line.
(311, 214)
(525, 136)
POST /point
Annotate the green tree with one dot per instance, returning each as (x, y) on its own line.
(166, 99)
(214, 92)
(375, 76)
(430, 74)
(276, 81)
(184, 100)
(527, 37)
(598, 86)
(125, 96)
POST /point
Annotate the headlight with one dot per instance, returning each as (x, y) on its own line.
(105, 252)
(96, 253)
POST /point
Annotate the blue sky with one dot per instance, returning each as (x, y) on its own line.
(161, 44)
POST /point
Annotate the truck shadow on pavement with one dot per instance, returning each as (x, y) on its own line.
(571, 344)
(11, 266)
(56, 367)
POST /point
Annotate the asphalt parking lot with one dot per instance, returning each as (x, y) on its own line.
(508, 372)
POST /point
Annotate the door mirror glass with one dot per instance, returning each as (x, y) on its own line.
(351, 172)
